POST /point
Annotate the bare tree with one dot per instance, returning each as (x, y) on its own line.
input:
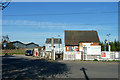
(4, 4)
(5, 38)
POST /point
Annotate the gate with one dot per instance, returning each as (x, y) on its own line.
(72, 55)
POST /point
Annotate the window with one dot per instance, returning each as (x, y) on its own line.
(67, 48)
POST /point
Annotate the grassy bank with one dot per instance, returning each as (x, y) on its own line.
(13, 53)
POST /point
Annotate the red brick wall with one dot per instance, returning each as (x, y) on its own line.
(67, 48)
(71, 46)
(80, 44)
(94, 43)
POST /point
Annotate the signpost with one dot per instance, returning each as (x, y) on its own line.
(4, 45)
(116, 54)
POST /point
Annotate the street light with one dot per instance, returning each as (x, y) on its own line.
(108, 35)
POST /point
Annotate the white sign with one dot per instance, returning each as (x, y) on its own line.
(36, 53)
(116, 54)
(105, 55)
(78, 55)
(94, 50)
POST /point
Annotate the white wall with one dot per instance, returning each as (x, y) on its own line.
(48, 47)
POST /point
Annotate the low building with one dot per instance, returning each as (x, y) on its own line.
(86, 42)
(19, 44)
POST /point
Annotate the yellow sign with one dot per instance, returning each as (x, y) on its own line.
(84, 45)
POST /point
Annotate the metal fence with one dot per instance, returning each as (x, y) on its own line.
(72, 55)
(112, 55)
(77, 55)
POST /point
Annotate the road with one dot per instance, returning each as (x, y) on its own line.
(20, 66)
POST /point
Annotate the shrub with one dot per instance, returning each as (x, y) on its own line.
(108, 60)
(116, 60)
(95, 60)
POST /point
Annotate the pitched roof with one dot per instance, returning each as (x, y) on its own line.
(17, 42)
(24, 44)
(32, 43)
(56, 41)
(74, 37)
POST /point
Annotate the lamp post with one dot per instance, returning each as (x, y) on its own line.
(108, 35)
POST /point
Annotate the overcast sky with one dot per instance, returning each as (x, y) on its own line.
(34, 22)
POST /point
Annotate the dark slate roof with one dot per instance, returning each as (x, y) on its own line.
(14, 42)
(74, 37)
(56, 41)
(17, 42)
(31, 43)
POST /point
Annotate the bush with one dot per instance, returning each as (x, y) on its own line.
(116, 60)
(108, 60)
(95, 60)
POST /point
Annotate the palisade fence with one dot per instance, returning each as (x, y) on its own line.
(77, 55)
(72, 55)
(112, 55)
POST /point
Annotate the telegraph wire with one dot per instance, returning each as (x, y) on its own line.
(53, 14)
(59, 24)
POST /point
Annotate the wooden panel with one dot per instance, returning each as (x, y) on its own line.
(67, 48)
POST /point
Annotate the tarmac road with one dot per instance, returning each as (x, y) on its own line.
(93, 69)
(20, 66)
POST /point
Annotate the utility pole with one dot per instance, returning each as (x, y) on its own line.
(84, 52)
(52, 48)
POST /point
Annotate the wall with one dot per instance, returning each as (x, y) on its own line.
(48, 47)
(68, 48)
(92, 44)
(72, 48)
